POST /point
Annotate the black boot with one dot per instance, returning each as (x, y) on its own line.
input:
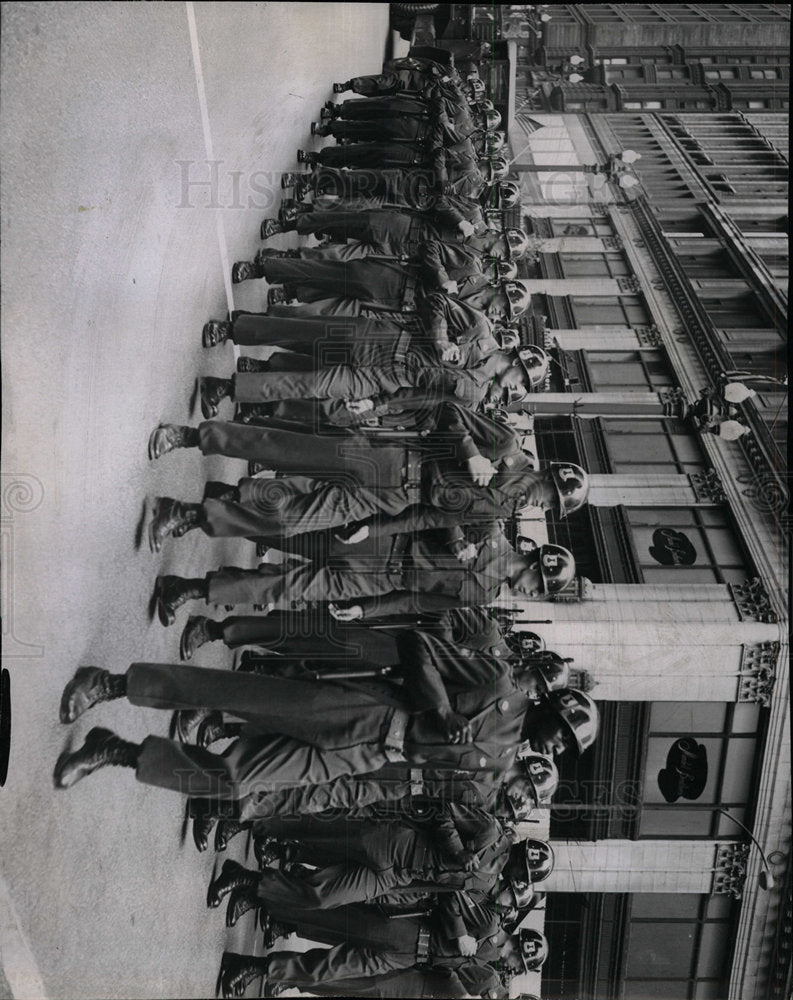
(216, 332)
(276, 296)
(311, 158)
(186, 721)
(339, 88)
(202, 828)
(87, 688)
(212, 391)
(198, 631)
(240, 903)
(268, 850)
(267, 253)
(216, 490)
(227, 830)
(246, 364)
(171, 517)
(272, 227)
(290, 209)
(101, 748)
(212, 729)
(174, 591)
(237, 972)
(168, 437)
(245, 270)
(232, 876)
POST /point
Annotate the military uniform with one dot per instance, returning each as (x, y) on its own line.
(359, 860)
(311, 732)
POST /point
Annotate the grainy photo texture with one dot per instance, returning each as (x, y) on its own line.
(395, 501)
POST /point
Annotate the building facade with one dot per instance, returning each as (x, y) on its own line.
(657, 280)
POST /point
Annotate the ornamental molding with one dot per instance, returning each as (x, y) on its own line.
(758, 672)
(729, 875)
(707, 486)
(752, 601)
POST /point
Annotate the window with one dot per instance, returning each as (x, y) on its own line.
(580, 227)
(629, 371)
(683, 545)
(677, 945)
(729, 734)
(627, 310)
(720, 74)
(763, 74)
(654, 447)
(590, 265)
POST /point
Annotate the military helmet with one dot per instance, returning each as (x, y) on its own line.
(509, 194)
(494, 169)
(491, 117)
(526, 643)
(535, 362)
(478, 88)
(517, 241)
(503, 270)
(495, 141)
(518, 297)
(552, 668)
(557, 567)
(521, 796)
(533, 948)
(543, 775)
(539, 859)
(572, 486)
(579, 713)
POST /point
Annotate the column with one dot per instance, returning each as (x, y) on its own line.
(603, 337)
(637, 866)
(596, 287)
(650, 405)
(640, 642)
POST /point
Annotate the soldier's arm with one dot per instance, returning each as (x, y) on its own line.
(431, 254)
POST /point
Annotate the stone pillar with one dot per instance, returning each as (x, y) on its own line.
(595, 287)
(641, 491)
(598, 338)
(651, 405)
(636, 866)
(640, 642)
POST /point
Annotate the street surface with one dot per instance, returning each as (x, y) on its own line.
(112, 262)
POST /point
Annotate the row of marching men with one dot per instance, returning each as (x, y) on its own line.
(388, 740)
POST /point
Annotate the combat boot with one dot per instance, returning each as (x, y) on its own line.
(339, 88)
(245, 270)
(237, 972)
(197, 632)
(273, 227)
(320, 128)
(227, 830)
(87, 688)
(171, 517)
(240, 903)
(232, 876)
(213, 728)
(330, 111)
(268, 253)
(171, 592)
(312, 159)
(212, 391)
(246, 364)
(169, 437)
(289, 210)
(202, 827)
(216, 490)
(186, 721)
(276, 296)
(216, 332)
(101, 749)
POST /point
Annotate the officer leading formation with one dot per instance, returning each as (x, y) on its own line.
(387, 737)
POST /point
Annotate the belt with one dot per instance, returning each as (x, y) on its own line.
(423, 942)
(394, 742)
(412, 475)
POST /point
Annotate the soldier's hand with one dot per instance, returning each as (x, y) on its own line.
(482, 469)
(467, 945)
(451, 354)
(465, 553)
(450, 287)
(469, 861)
(358, 535)
(351, 614)
(466, 228)
(359, 406)
(456, 728)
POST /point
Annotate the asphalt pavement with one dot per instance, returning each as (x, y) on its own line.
(114, 256)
